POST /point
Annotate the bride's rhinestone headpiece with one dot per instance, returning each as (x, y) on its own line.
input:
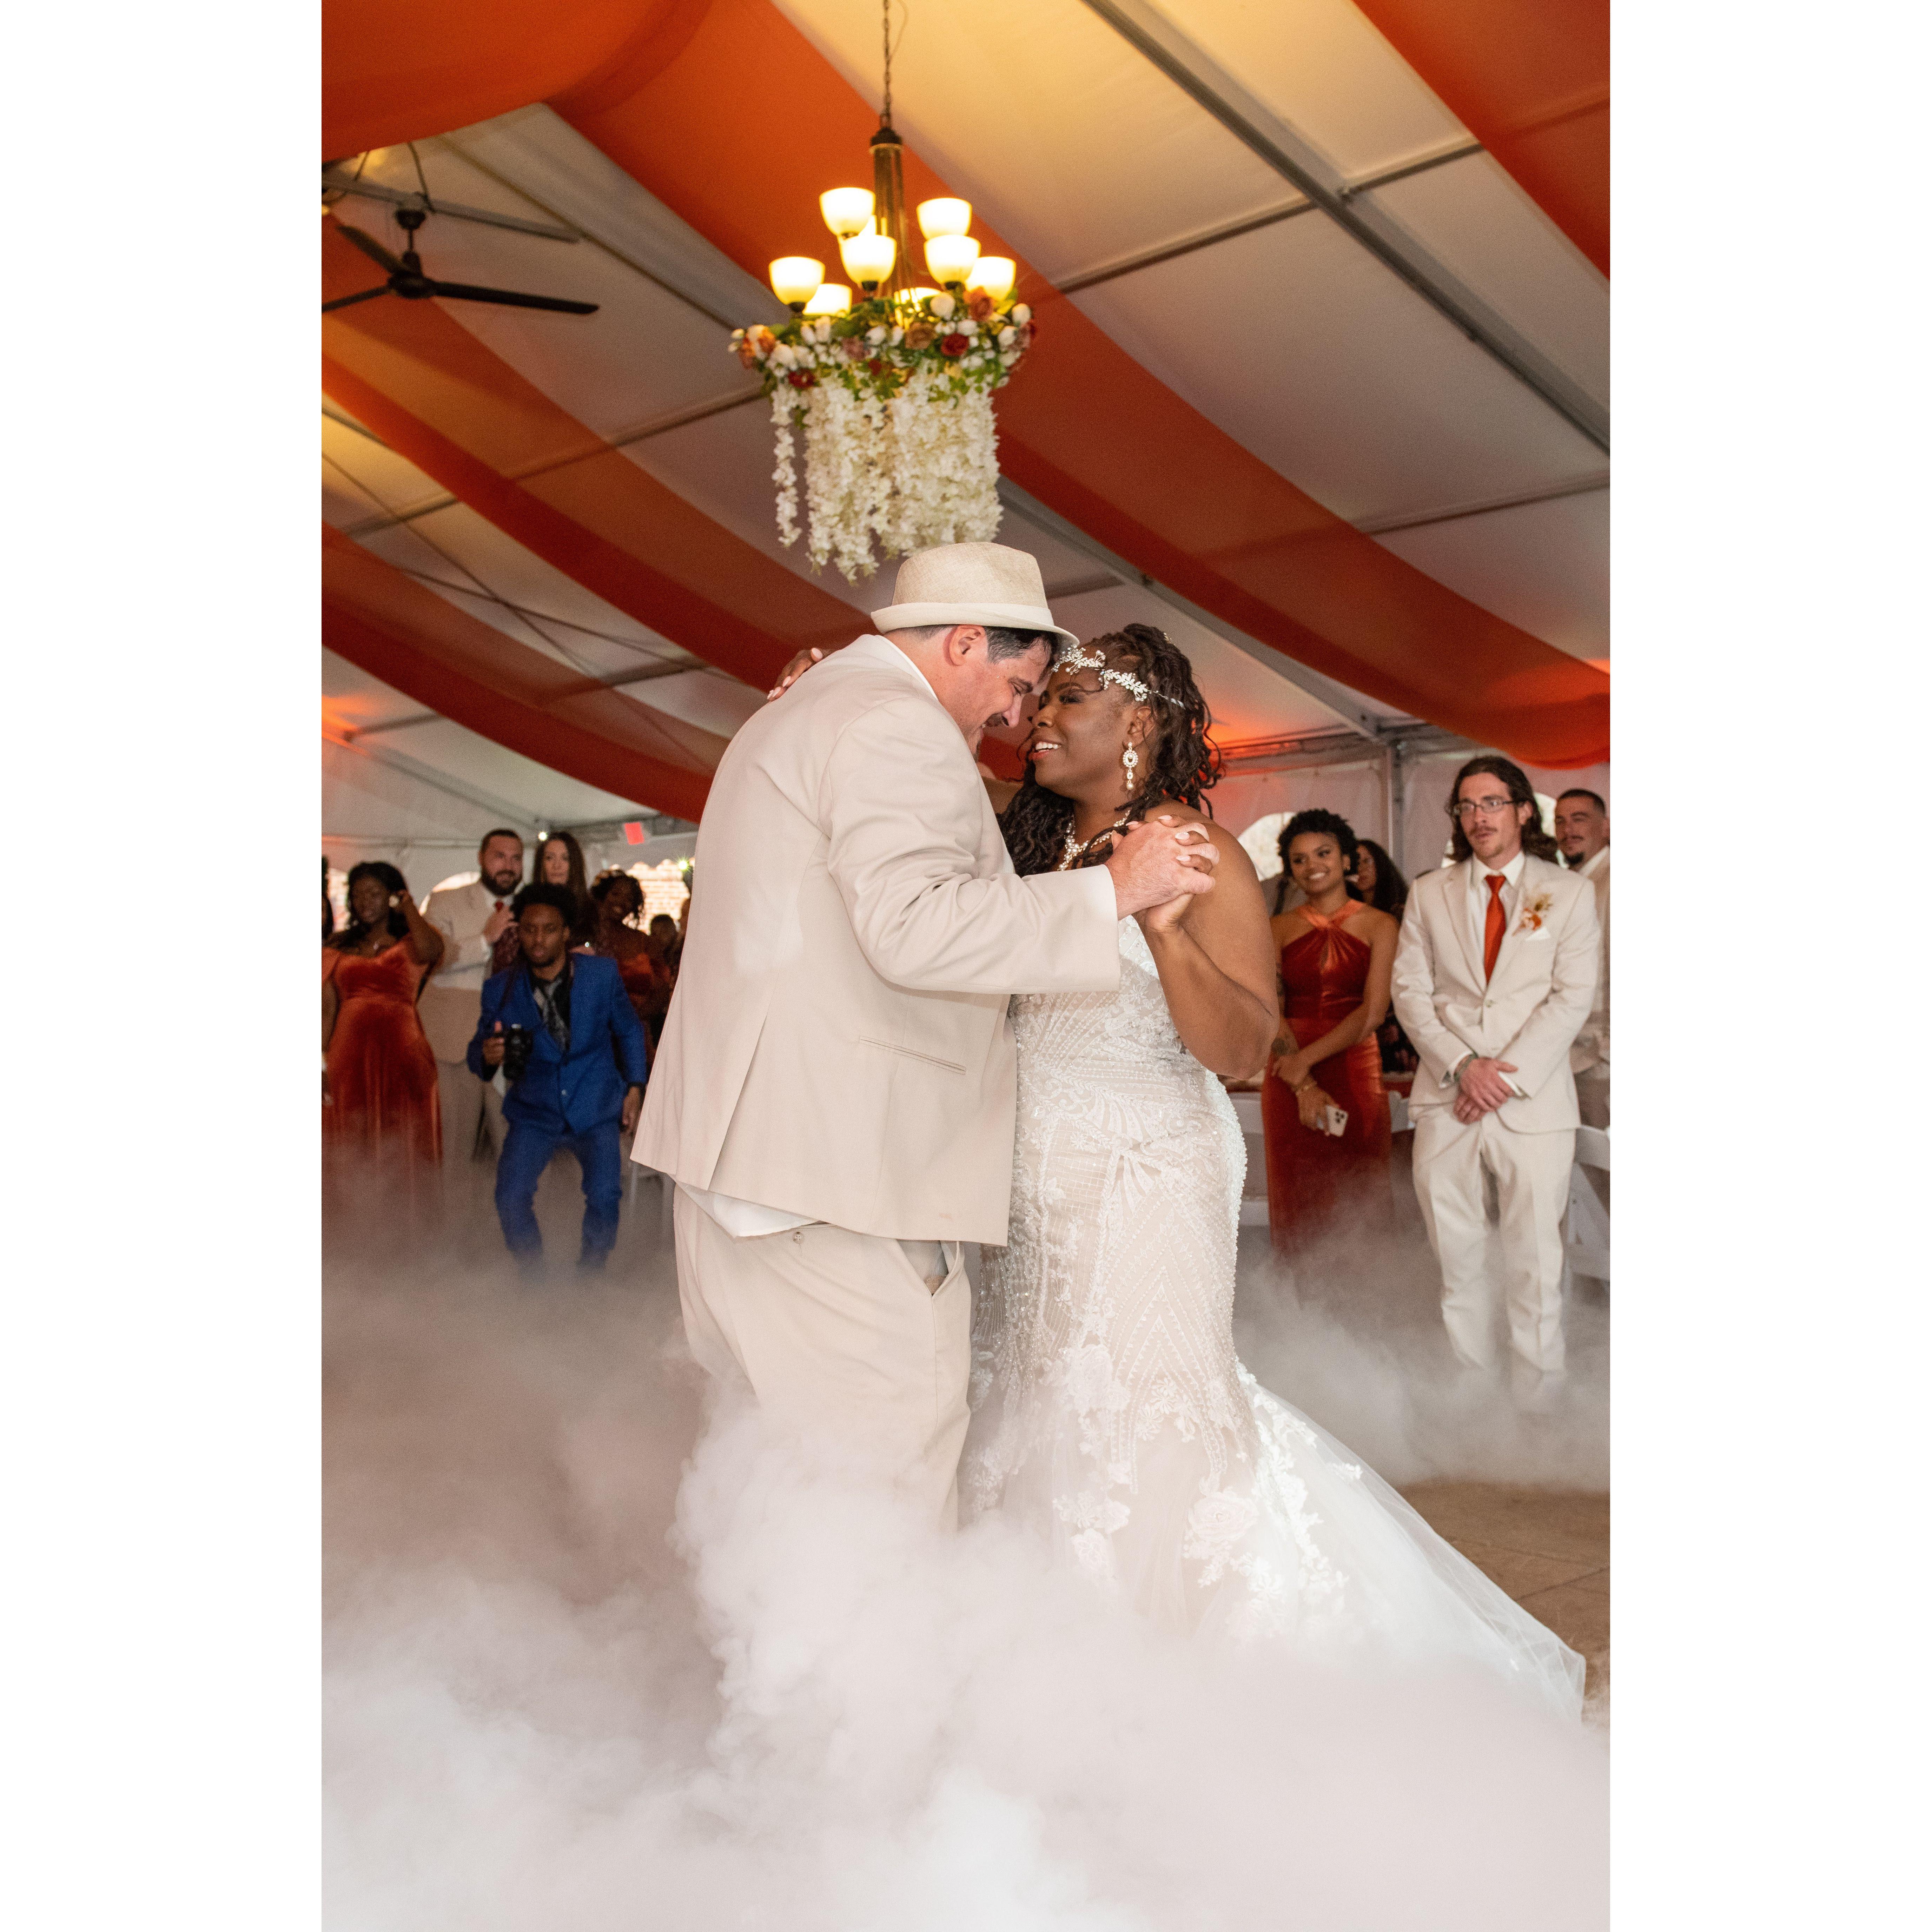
(1076, 657)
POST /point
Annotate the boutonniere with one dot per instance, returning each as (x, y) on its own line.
(1531, 918)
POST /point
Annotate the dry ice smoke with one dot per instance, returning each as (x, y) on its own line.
(589, 1669)
(1351, 1334)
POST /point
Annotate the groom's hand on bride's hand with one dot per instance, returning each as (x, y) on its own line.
(793, 672)
(1156, 862)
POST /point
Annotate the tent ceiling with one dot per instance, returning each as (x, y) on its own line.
(1291, 338)
(468, 773)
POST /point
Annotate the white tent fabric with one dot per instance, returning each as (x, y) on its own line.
(1121, 186)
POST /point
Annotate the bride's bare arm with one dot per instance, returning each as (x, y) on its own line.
(1217, 963)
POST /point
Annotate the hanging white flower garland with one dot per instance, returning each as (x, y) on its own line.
(894, 402)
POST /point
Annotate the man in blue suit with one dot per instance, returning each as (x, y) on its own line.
(583, 1082)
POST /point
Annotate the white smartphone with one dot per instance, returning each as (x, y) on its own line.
(1334, 1121)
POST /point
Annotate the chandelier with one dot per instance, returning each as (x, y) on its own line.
(888, 395)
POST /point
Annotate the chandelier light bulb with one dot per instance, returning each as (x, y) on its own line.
(832, 299)
(994, 273)
(920, 294)
(944, 215)
(846, 210)
(951, 257)
(795, 281)
(869, 257)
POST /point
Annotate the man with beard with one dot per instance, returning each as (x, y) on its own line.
(479, 937)
(1583, 832)
(1494, 977)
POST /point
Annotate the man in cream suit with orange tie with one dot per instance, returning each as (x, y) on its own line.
(834, 1091)
(1493, 979)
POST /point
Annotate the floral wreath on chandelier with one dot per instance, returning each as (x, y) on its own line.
(970, 342)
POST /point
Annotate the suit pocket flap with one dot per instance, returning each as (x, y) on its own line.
(914, 1053)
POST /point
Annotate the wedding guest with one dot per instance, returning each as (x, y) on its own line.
(619, 900)
(1583, 833)
(381, 1120)
(1335, 954)
(328, 908)
(668, 933)
(1376, 880)
(581, 1085)
(479, 938)
(1494, 977)
(560, 862)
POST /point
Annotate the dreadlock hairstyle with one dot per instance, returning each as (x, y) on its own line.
(1180, 763)
(1537, 842)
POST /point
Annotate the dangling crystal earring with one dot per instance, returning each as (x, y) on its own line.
(1130, 758)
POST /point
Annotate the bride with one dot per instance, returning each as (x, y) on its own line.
(1110, 1409)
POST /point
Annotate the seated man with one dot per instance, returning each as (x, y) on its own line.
(583, 1081)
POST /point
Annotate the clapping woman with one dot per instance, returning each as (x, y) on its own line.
(1335, 954)
(382, 1121)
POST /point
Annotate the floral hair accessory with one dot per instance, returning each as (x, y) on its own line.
(1076, 657)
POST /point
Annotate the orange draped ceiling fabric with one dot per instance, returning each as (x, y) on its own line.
(729, 116)
(424, 385)
(392, 627)
(396, 70)
(737, 134)
(1531, 79)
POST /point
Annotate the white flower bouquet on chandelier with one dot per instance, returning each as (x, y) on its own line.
(893, 402)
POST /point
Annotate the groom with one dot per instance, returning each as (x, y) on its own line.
(834, 1092)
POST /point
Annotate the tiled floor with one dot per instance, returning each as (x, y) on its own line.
(1550, 1549)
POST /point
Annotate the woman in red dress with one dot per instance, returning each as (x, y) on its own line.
(619, 900)
(1335, 954)
(381, 1122)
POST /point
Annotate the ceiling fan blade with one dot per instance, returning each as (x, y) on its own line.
(507, 297)
(349, 301)
(371, 246)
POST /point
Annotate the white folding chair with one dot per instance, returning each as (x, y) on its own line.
(1586, 1226)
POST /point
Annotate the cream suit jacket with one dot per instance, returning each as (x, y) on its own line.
(1528, 1013)
(451, 1000)
(1593, 1044)
(839, 1046)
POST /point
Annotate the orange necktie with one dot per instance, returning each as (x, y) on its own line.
(1493, 923)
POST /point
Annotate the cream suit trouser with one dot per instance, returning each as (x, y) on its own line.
(839, 1338)
(1531, 1172)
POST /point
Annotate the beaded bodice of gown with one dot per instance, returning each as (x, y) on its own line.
(1110, 1409)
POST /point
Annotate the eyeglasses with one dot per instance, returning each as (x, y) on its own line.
(1466, 809)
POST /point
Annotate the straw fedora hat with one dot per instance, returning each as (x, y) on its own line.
(970, 583)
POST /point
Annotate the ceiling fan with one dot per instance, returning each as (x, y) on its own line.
(406, 279)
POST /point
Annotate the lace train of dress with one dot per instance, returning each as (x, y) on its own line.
(1111, 1411)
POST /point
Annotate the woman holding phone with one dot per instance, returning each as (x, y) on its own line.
(1324, 1112)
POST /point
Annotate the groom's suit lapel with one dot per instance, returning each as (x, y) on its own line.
(1455, 898)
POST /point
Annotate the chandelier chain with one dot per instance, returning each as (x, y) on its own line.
(888, 44)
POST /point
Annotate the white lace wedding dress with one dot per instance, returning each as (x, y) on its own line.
(1110, 1409)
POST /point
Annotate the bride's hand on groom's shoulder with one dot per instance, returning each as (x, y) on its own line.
(794, 671)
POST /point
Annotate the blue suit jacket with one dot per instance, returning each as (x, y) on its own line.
(607, 1055)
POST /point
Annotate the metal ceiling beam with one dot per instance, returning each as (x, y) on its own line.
(500, 808)
(347, 184)
(1577, 486)
(1149, 32)
(1338, 697)
(1226, 231)
(657, 426)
